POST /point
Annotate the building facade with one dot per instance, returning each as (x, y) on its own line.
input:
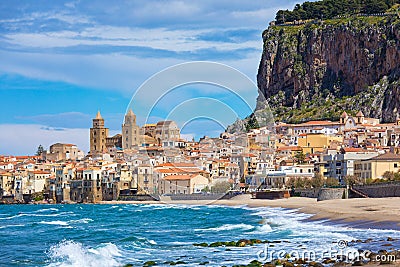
(167, 130)
(98, 136)
(130, 131)
(60, 151)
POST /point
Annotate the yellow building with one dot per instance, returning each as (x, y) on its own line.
(312, 143)
(98, 136)
(289, 151)
(375, 167)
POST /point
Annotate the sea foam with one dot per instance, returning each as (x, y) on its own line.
(228, 227)
(62, 223)
(71, 254)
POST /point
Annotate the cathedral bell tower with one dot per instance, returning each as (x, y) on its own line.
(98, 135)
(130, 131)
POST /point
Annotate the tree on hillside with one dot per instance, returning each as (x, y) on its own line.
(252, 123)
(374, 6)
(327, 9)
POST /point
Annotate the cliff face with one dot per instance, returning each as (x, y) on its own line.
(317, 70)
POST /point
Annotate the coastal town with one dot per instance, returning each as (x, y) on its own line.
(152, 161)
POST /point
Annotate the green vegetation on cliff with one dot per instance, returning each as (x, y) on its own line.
(328, 9)
(318, 69)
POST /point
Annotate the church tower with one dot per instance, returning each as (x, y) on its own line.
(130, 131)
(98, 135)
(344, 117)
(360, 117)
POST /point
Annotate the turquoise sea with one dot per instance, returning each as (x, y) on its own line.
(106, 235)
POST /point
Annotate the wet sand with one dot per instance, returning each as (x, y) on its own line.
(363, 212)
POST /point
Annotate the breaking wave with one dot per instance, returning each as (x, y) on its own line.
(74, 254)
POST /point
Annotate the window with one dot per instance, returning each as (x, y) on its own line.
(395, 165)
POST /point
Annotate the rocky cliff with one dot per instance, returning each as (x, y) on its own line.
(318, 69)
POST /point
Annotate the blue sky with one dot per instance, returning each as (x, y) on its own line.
(61, 61)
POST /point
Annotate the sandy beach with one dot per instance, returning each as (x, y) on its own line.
(369, 212)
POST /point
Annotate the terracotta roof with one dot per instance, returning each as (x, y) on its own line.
(177, 164)
(41, 172)
(360, 114)
(289, 148)
(164, 171)
(179, 177)
(317, 123)
(353, 149)
(387, 156)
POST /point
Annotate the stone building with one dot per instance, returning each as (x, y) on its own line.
(63, 152)
(130, 131)
(114, 142)
(167, 130)
(98, 136)
(92, 191)
(149, 130)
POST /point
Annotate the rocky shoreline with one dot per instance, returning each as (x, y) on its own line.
(366, 258)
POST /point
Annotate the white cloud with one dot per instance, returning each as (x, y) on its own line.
(23, 139)
(188, 136)
(159, 38)
(112, 71)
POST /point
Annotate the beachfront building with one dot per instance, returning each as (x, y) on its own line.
(37, 181)
(143, 178)
(340, 165)
(375, 167)
(6, 184)
(183, 184)
(92, 191)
